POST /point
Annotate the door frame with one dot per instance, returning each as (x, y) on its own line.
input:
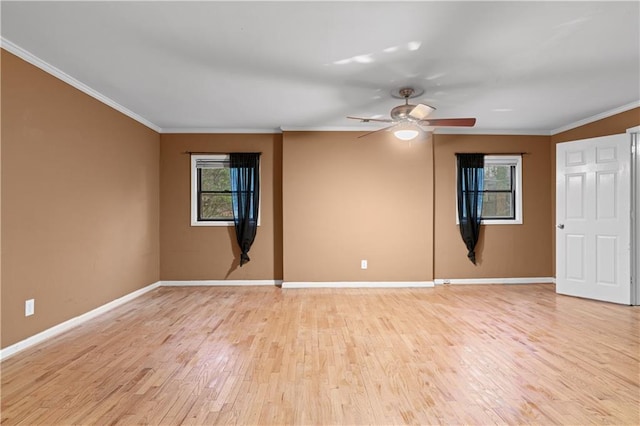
(634, 134)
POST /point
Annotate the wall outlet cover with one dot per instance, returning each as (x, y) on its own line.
(29, 307)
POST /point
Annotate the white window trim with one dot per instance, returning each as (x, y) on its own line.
(505, 159)
(194, 190)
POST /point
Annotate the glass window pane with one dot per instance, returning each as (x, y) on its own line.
(497, 205)
(215, 179)
(497, 177)
(216, 206)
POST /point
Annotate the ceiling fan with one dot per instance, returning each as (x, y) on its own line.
(408, 118)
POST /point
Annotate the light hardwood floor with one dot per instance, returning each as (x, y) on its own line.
(477, 354)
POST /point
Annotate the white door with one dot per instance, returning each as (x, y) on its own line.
(593, 218)
(635, 213)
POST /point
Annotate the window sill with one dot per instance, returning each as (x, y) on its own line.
(502, 222)
(516, 221)
(217, 223)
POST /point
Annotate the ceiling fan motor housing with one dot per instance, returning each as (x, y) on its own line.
(414, 115)
(401, 112)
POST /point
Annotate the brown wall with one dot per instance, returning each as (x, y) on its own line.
(615, 124)
(80, 184)
(95, 205)
(346, 199)
(211, 253)
(504, 251)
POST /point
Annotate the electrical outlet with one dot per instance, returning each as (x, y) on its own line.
(29, 307)
(363, 264)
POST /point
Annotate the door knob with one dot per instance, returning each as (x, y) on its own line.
(560, 226)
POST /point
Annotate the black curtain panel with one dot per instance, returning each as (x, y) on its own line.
(245, 188)
(470, 187)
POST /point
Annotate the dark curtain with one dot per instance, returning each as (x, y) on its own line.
(470, 186)
(245, 189)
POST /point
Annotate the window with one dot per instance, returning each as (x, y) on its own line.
(211, 203)
(211, 191)
(502, 195)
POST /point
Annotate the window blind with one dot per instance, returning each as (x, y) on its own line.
(212, 163)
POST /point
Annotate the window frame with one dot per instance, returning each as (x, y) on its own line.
(195, 221)
(194, 191)
(515, 160)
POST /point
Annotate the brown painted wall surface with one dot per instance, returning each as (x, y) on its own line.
(80, 184)
(95, 205)
(346, 199)
(504, 251)
(613, 125)
(211, 253)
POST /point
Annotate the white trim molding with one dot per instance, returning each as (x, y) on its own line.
(481, 131)
(437, 131)
(221, 283)
(357, 284)
(56, 72)
(526, 280)
(27, 56)
(596, 117)
(634, 134)
(219, 130)
(73, 322)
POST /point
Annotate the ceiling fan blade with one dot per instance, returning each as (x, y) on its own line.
(421, 111)
(376, 131)
(366, 120)
(449, 122)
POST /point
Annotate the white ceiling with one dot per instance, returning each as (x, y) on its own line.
(517, 67)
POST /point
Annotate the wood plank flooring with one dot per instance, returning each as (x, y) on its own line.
(478, 354)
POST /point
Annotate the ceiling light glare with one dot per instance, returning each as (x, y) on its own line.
(406, 134)
(363, 59)
(436, 75)
(414, 45)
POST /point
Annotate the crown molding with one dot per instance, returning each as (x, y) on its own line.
(438, 131)
(596, 117)
(27, 56)
(209, 130)
(469, 131)
(363, 128)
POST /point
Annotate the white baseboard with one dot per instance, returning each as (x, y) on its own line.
(73, 322)
(191, 283)
(357, 284)
(527, 280)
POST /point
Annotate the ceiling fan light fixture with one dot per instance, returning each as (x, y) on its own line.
(406, 134)
(406, 119)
